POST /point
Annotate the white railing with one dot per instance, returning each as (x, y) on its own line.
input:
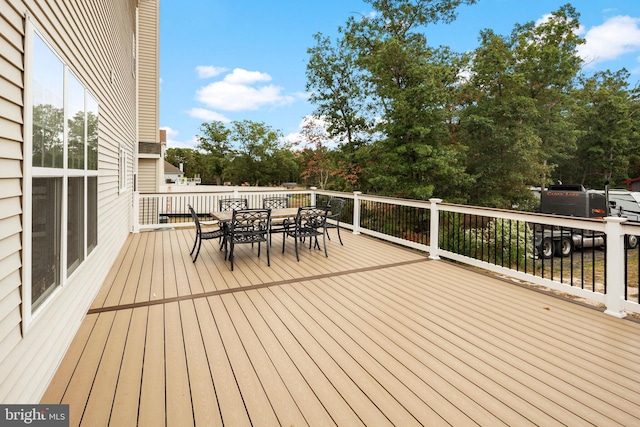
(159, 210)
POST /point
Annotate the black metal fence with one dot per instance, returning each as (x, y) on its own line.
(574, 257)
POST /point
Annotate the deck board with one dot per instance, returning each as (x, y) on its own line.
(203, 394)
(280, 398)
(230, 404)
(143, 288)
(297, 387)
(100, 402)
(152, 399)
(322, 391)
(127, 393)
(375, 334)
(81, 382)
(256, 401)
(377, 338)
(178, 397)
(501, 346)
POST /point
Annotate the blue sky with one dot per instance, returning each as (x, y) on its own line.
(246, 59)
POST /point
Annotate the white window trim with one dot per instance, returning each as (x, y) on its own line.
(27, 215)
(29, 316)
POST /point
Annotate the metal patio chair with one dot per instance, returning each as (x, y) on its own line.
(232, 204)
(247, 226)
(201, 235)
(309, 223)
(277, 225)
(335, 206)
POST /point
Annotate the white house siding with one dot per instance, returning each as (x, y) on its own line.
(148, 72)
(150, 152)
(93, 37)
(148, 182)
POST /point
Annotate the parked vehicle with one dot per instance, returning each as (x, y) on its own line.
(624, 203)
(574, 200)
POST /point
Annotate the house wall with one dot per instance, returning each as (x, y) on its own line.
(149, 177)
(149, 69)
(94, 37)
(148, 181)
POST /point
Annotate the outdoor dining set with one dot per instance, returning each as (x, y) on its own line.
(235, 223)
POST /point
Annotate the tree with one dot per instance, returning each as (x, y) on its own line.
(607, 117)
(516, 108)
(215, 144)
(193, 162)
(260, 156)
(334, 84)
(75, 140)
(314, 155)
(497, 126)
(48, 126)
(410, 87)
(546, 57)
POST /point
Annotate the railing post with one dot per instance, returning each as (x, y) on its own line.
(435, 227)
(356, 212)
(614, 298)
(136, 213)
(312, 196)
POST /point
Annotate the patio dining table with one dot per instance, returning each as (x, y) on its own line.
(225, 216)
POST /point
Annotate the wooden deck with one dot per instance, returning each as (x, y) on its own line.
(373, 335)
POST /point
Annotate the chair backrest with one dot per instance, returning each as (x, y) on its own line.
(335, 206)
(232, 204)
(194, 215)
(248, 221)
(310, 217)
(275, 202)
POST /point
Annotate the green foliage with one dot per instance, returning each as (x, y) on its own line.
(479, 128)
(193, 163)
(494, 240)
(214, 142)
(405, 222)
(606, 114)
(408, 86)
(243, 152)
(514, 121)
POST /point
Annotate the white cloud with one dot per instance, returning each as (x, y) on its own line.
(208, 115)
(241, 91)
(617, 36)
(243, 77)
(302, 95)
(208, 71)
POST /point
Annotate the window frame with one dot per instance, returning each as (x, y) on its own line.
(31, 309)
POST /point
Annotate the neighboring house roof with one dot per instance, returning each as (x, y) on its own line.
(632, 184)
(169, 169)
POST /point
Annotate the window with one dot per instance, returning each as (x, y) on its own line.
(64, 170)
